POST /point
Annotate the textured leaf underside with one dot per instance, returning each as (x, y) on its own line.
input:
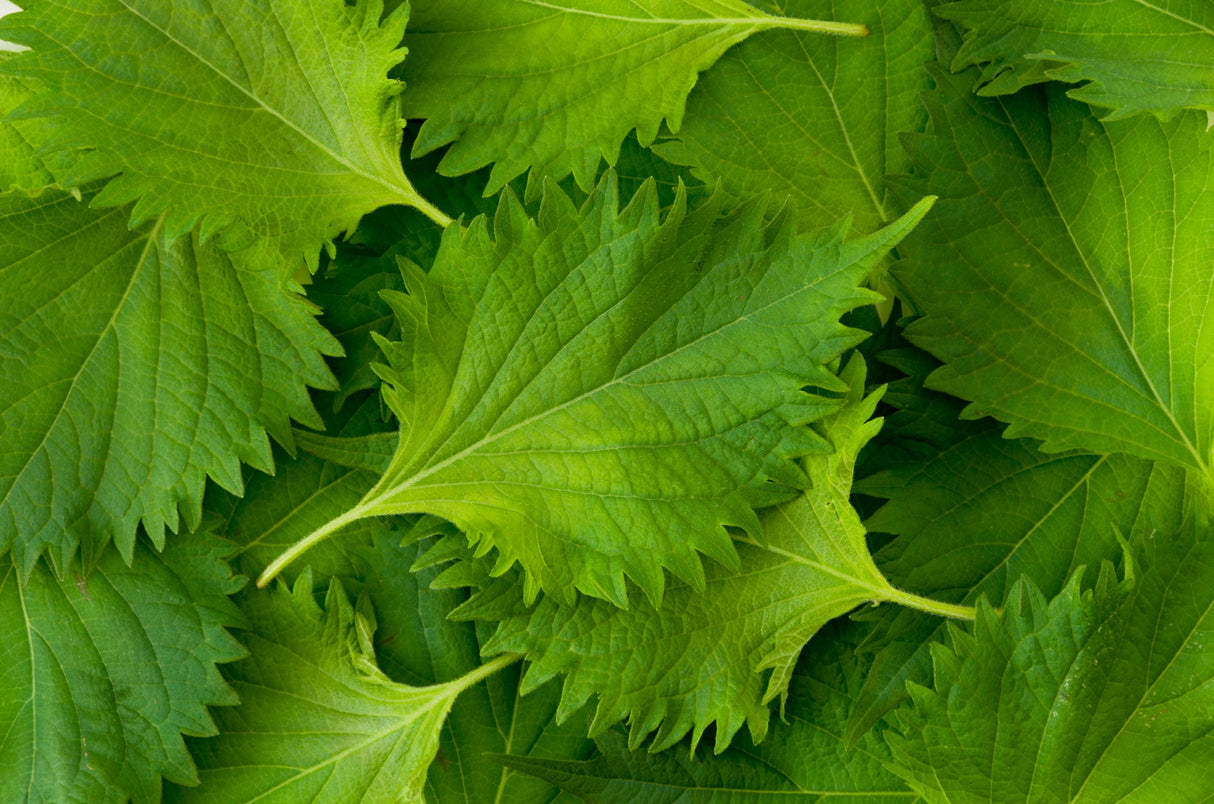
(597, 393)
(132, 373)
(1095, 696)
(101, 675)
(814, 117)
(1133, 56)
(274, 122)
(556, 86)
(1065, 274)
(701, 659)
(318, 720)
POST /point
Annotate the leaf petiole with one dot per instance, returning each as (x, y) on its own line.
(819, 26)
(931, 606)
(356, 513)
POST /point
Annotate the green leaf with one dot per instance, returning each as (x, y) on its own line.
(272, 122)
(597, 393)
(811, 116)
(132, 373)
(318, 720)
(923, 422)
(1065, 273)
(805, 759)
(555, 87)
(702, 658)
(415, 643)
(348, 292)
(20, 167)
(102, 673)
(1096, 696)
(1134, 56)
(973, 519)
(419, 645)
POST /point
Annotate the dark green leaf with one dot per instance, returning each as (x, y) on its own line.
(102, 673)
(1096, 696)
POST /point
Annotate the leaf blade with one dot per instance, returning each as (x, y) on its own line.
(312, 682)
(1104, 696)
(1064, 244)
(105, 672)
(134, 373)
(816, 118)
(565, 398)
(703, 658)
(555, 87)
(274, 125)
(1133, 57)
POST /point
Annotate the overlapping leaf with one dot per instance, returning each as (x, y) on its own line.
(1132, 56)
(133, 372)
(101, 673)
(415, 643)
(556, 86)
(419, 645)
(804, 759)
(318, 720)
(274, 122)
(1095, 696)
(20, 167)
(1065, 273)
(703, 657)
(812, 116)
(597, 393)
(975, 518)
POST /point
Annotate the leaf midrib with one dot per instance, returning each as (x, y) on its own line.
(1175, 16)
(136, 274)
(762, 20)
(1048, 188)
(383, 490)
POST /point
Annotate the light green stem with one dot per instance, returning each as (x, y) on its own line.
(293, 552)
(819, 26)
(415, 200)
(931, 606)
(472, 677)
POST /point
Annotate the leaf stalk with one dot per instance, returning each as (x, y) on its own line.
(472, 677)
(931, 606)
(820, 26)
(306, 543)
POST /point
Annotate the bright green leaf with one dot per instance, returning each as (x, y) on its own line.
(20, 168)
(274, 122)
(973, 519)
(1095, 696)
(101, 673)
(556, 86)
(597, 393)
(1134, 56)
(1065, 272)
(804, 760)
(703, 657)
(318, 720)
(132, 373)
(812, 116)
